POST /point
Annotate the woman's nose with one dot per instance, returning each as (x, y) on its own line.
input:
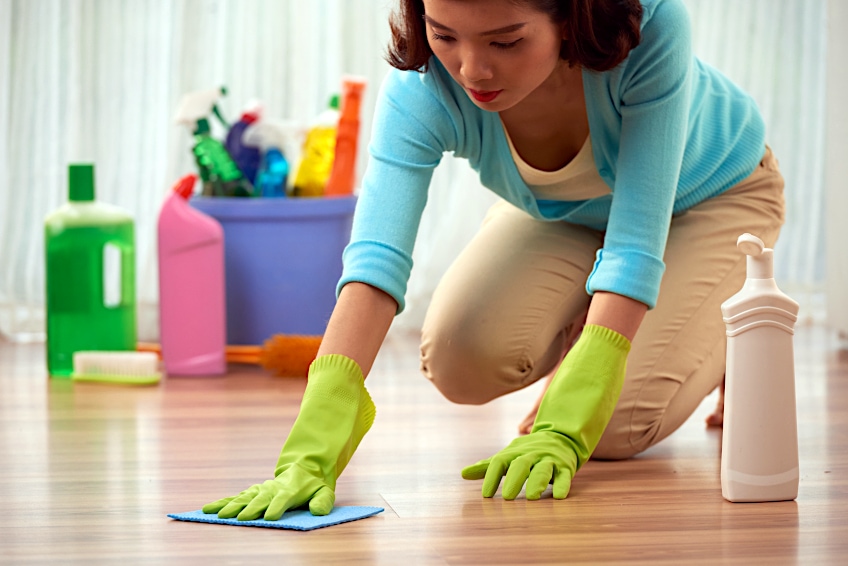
(474, 67)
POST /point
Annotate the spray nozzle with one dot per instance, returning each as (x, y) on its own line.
(760, 258)
(253, 111)
(199, 104)
(264, 134)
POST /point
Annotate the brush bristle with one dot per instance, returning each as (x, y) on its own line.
(134, 368)
(290, 355)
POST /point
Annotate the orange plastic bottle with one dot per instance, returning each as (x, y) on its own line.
(343, 176)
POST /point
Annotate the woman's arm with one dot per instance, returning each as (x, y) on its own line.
(616, 312)
(359, 324)
(335, 413)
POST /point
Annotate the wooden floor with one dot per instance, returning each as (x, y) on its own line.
(89, 472)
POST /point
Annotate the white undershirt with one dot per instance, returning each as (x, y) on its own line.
(578, 180)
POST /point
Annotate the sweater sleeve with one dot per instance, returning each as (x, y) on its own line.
(410, 133)
(654, 94)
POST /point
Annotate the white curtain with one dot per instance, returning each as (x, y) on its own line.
(99, 81)
(777, 51)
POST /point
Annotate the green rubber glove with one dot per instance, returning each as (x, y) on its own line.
(335, 414)
(574, 413)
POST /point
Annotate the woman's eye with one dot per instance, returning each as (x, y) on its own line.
(510, 45)
(440, 37)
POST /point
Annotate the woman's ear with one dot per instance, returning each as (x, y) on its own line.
(565, 32)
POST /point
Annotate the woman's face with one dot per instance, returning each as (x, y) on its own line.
(499, 51)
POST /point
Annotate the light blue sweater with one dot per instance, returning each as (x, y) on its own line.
(667, 132)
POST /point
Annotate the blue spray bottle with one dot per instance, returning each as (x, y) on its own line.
(247, 158)
(272, 178)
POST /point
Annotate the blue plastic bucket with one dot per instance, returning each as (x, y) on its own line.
(283, 259)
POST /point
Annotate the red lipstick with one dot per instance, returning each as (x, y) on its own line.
(483, 95)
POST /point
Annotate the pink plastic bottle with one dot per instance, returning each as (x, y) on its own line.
(192, 304)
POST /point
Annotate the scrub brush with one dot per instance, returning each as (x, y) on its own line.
(289, 355)
(286, 355)
(121, 368)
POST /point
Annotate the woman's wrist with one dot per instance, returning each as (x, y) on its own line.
(616, 312)
(359, 324)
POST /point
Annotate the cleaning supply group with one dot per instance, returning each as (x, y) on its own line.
(251, 160)
(90, 250)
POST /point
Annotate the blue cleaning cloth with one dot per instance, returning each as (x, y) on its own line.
(300, 520)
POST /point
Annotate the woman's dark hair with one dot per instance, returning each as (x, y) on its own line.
(600, 32)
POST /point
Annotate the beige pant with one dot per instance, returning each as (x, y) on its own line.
(501, 316)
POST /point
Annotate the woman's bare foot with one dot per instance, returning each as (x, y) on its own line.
(717, 416)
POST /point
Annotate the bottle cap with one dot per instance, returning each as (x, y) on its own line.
(249, 117)
(185, 186)
(352, 88)
(252, 111)
(81, 182)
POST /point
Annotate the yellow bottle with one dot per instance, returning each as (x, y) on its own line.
(319, 148)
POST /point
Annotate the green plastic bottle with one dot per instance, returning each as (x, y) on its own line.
(220, 175)
(90, 275)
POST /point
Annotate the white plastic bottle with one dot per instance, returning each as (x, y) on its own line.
(759, 456)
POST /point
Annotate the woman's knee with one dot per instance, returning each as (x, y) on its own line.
(624, 443)
(631, 430)
(472, 369)
(634, 430)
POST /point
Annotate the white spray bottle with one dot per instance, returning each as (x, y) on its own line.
(759, 456)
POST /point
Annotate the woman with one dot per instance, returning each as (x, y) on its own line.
(627, 169)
